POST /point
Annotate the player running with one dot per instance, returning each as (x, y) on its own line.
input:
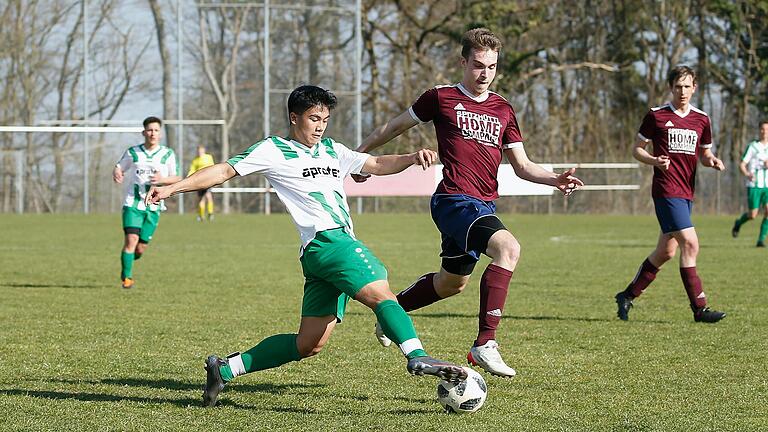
(204, 197)
(680, 134)
(754, 166)
(143, 165)
(474, 128)
(307, 172)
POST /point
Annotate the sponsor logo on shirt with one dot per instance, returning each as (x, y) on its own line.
(682, 140)
(146, 171)
(316, 171)
(483, 128)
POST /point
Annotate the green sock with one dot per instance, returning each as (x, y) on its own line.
(127, 265)
(743, 219)
(763, 230)
(397, 325)
(270, 353)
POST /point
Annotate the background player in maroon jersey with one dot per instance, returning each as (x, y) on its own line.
(680, 133)
(473, 127)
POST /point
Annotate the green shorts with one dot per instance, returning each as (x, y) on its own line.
(757, 197)
(141, 222)
(336, 266)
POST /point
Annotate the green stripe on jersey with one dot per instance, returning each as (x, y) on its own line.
(329, 148)
(288, 152)
(235, 159)
(136, 196)
(319, 197)
(168, 154)
(135, 156)
(343, 207)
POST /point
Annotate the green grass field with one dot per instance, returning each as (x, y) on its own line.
(81, 354)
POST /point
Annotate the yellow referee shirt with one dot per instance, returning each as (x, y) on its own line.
(199, 163)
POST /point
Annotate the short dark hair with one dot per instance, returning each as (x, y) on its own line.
(678, 72)
(308, 96)
(479, 39)
(151, 119)
(762, 123)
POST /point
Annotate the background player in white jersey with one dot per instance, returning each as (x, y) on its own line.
(754, 166)
(138, 169)
(307, 173)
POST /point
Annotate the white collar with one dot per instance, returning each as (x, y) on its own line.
(482, 98)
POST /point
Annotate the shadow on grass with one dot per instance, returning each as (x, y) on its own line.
(177, 385)
(98, 397)
(509, 317)
(42, 285)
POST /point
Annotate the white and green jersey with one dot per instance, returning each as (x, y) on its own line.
(309, 181)
(755, 156)
(139, 165)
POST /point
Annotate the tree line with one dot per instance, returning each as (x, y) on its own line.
(580, 75)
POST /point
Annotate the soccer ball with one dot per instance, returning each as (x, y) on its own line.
(463, 397)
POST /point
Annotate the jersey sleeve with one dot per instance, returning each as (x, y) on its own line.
(350, 161)
(512, 137)
(256, 159)
(426, 107)
(171, 164)
(647, 128)
(749, 153)
(706, 135)
(125, 160)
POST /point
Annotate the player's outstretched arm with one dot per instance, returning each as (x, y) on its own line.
(708, 159)
(392, 164)
(203, 179)
(528, 170)
(387, 132)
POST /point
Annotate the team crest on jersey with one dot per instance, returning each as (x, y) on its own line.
(483, 128)
(682, 141)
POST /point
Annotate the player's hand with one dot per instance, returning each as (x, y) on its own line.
(751, 177)
(567, 182)
(424, 158)
(765, 163)
(155, 194)
(360, 178)
(156, 179)
(718, 164)
(117, 175)
(662, 162)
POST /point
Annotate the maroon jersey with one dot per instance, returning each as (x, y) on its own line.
(680, 138)
(471, 134)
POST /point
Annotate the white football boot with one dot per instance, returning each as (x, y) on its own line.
(381, 337)
(487, 357)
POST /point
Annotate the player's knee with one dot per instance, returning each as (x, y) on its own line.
(450, 288)
(310, 349)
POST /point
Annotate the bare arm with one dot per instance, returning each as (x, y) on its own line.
(392, 164)
(528, 170)
(641, 154)
(387, 132)
(203, 179)
(745, 172)
(709, 160)
(117, 174)
(159, 180)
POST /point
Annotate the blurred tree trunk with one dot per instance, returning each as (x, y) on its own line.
(165, 59)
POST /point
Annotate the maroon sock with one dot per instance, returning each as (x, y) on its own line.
(645, 275)
(692, 284)
(493, 293)
(421, 293)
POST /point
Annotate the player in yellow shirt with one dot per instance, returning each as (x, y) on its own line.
(204, 196)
